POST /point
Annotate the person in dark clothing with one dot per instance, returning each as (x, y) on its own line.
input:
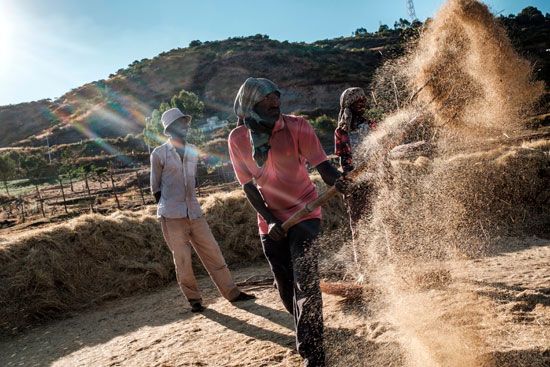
(352, 126)
(269, 152)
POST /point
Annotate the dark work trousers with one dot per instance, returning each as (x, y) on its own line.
(294, 263)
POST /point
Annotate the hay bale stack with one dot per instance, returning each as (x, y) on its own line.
(462, 203)
(233, 223)
(80, 263)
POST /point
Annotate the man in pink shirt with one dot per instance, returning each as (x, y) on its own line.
(269, 152)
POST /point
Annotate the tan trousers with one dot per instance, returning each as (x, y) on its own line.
(180, 234)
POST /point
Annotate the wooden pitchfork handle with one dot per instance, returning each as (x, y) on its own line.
(320, 201)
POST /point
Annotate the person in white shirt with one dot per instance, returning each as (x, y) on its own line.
(173, 170)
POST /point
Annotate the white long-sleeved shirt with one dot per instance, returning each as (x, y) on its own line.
(175, 179)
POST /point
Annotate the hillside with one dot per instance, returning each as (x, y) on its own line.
(311, 75)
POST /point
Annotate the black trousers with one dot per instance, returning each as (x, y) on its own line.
(294, 263)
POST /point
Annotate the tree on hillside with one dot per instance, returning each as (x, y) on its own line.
(7, 170)
(360, 32)
(530, 15)
(186, 101)
(324, 127)
(68, 168)
(401, 24)
(383, 29)
(153, 131)
(189, 103)
(36, 168)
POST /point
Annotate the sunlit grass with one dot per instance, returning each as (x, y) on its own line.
(24, 186)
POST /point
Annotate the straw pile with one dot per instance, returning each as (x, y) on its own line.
(233, 223)
(83, 262)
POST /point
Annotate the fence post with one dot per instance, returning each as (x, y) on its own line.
(89, 193)
(139, 187)
(114, 189)
(40, 200)
(63, 194)
(22, 208)
(10, 213)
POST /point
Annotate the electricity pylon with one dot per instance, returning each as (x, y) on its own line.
(411, 11)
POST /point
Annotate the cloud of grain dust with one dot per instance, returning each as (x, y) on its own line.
(433, 329)
(470, 188)
(469, 73)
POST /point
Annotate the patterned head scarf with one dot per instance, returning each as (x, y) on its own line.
(348, 97)
(252, 91)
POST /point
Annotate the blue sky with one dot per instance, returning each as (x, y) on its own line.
(48, 47)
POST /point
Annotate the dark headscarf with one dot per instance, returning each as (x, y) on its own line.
(349, 97)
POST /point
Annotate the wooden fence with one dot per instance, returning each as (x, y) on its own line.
(111, 190)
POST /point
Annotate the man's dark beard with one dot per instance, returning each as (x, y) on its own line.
(270, 119)
(261, 126)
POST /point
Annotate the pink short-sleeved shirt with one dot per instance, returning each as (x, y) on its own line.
(283, 180)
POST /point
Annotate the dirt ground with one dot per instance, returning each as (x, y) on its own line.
(157, 329)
